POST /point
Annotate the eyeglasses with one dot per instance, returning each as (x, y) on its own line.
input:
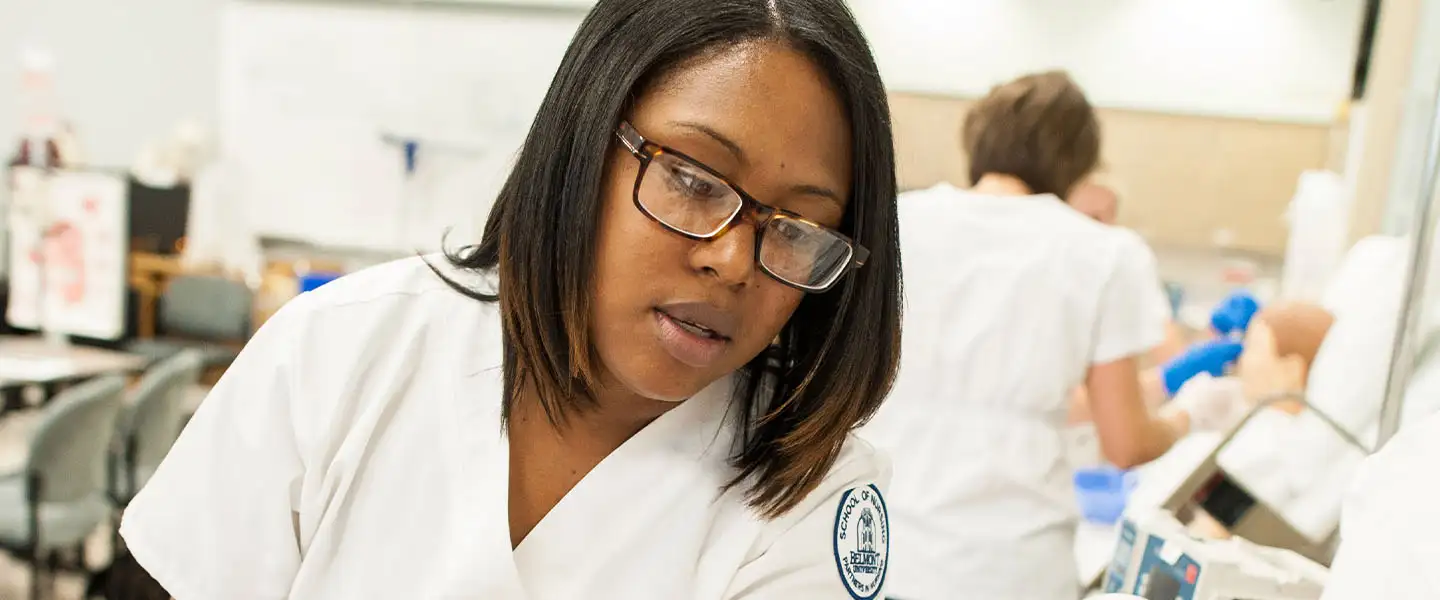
(692, 200)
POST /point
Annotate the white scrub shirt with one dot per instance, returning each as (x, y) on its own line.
(1008, 302)
(370, 411)
(1157, 306)
(1390, 533)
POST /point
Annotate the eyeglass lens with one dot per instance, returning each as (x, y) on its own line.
(689, 199)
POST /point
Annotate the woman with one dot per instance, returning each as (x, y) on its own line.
(1098, 197)
(583, 405)
(1022, 298)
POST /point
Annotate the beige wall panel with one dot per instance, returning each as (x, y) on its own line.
(1187, 177)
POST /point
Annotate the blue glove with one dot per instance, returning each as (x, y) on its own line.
(1205, 357)
(1233, 314)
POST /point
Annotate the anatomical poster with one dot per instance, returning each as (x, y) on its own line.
(68, 252)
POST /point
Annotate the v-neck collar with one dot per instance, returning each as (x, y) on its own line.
(603, 531)
(692, 432)
(682, 448)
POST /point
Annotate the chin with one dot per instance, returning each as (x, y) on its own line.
(672, 383)
(667, 391)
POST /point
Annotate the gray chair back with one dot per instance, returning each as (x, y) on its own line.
(150, 421)
(206, 307)
(70, 446)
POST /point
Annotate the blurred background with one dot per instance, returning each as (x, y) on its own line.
(1212, 111)
(181, 168)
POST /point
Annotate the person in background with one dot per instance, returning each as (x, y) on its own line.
(1014, 298)
(1098, 197)
(587, 404)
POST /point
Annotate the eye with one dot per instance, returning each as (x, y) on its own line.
(693, 183)
(790, 231)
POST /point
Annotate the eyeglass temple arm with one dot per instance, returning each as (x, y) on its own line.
(861, 254)
(631, 138)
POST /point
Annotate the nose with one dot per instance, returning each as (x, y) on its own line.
(730, 258)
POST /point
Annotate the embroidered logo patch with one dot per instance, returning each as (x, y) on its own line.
(862, 541)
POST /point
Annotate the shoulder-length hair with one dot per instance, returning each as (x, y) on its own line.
(836, 358)
(1038, 128)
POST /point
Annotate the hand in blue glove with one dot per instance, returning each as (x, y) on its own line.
(1233, 314)
(1205, 357)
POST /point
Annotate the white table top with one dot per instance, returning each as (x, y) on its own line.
(28, 360)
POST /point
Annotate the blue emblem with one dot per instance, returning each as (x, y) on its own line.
(862, 541)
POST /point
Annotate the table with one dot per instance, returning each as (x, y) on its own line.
(33, 361)
(1095, 544)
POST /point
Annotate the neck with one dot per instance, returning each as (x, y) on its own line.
(617, 415)
(997, 184)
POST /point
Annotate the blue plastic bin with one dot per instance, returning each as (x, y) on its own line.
(315, 279)
(1103, 492)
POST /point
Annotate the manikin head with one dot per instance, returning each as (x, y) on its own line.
(1280, 346)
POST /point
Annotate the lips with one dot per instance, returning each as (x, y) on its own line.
(701, 318)
(693, 334)
(696, 329)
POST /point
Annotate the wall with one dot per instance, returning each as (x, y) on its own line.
(128, 71)
(317, 99)
(1410, 33)
(1211, 109)
(1190, 180)
(1274, 59)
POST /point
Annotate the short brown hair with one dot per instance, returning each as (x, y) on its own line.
(1038, 128)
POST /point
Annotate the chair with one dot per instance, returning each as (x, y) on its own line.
(149, 423)
(58, 495)
(204, 312)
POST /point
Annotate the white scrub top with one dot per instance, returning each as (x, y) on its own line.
(1390, 533)
(1008, 302)
(370, 410)
(1157, 306)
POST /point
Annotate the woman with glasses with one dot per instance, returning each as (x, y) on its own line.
(1022, 299)
(588, 403)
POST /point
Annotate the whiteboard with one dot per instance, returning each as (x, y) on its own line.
(314, 97)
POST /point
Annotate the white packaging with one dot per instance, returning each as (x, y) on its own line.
(1318, 218)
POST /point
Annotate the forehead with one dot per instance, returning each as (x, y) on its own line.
(774, 102)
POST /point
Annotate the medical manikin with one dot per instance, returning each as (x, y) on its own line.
(1338, 355)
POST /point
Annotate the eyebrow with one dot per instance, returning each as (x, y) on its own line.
(815, 190)
(728, 143)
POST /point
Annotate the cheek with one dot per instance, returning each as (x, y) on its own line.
(628, 248)
(770, 309)
(635, 259)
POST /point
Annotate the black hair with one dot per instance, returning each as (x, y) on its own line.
(838, 355)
